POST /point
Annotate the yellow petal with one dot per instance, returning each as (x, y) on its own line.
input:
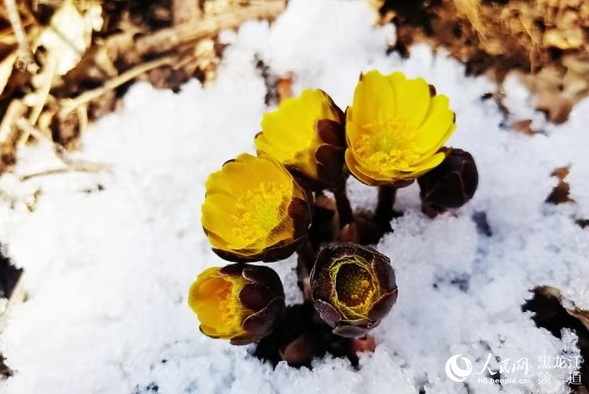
(441, 142)
(364, 175)
(354, 168)
(289, 135)
(428, 164)
(349, 114)
(284, 135)
(218, 216)
(213, 297)
(374, 98)
(234, 178)
(412, 98)
(436, 124)
(353, 131)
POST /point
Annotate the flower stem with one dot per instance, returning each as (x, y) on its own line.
(344, 209)
(307, 254)
(384, 211)
(305, 263)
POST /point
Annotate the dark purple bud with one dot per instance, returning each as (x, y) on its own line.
(353, 288)
(451, 184)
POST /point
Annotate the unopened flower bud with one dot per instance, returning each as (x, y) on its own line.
(451, 184)
(353, 288)
(239, 302)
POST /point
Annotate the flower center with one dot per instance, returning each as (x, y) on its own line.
(388, 144)
(259, 211)
(353, 285)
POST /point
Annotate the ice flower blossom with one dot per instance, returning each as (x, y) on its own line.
(306, 134)
(238, 302)
(353, 288)
(395, 128)
(254, 210)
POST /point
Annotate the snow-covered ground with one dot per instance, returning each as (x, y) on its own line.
(107, 272)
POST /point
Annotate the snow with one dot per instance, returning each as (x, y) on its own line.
(107, 272)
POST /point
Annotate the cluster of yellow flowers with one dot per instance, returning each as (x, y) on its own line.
(260, 208)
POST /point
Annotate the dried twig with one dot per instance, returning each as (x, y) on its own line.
(186, 11)
(161, 42)
(25, 59)
(61, 153)
(167, 39)
(69, 105)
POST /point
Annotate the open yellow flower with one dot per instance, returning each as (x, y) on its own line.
(254, 210)
(395, 128)
(239, 302)
(306, 134)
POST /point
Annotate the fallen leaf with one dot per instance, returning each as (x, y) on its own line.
(556, 107)
(284, 88)
(68, 35)
(560, 192)
(523, 126)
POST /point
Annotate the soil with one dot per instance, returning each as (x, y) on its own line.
(544, 42)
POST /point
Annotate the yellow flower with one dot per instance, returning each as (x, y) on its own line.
(239, 302)
(395, 128)
(254, 210)
(306, 134)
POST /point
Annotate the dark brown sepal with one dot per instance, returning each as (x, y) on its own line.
(280, 251)
(255, 297)
(383, 306)
(349, 331)
(330, 164)
(327, 312)
(301, 213)
(235, 257)
(381, 265)
(243, 340)
(331, 132)
(264, 276)
(260, 324)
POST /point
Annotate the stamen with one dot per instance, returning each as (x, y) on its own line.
(388, 144)
(353, 285)
(258, 212)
